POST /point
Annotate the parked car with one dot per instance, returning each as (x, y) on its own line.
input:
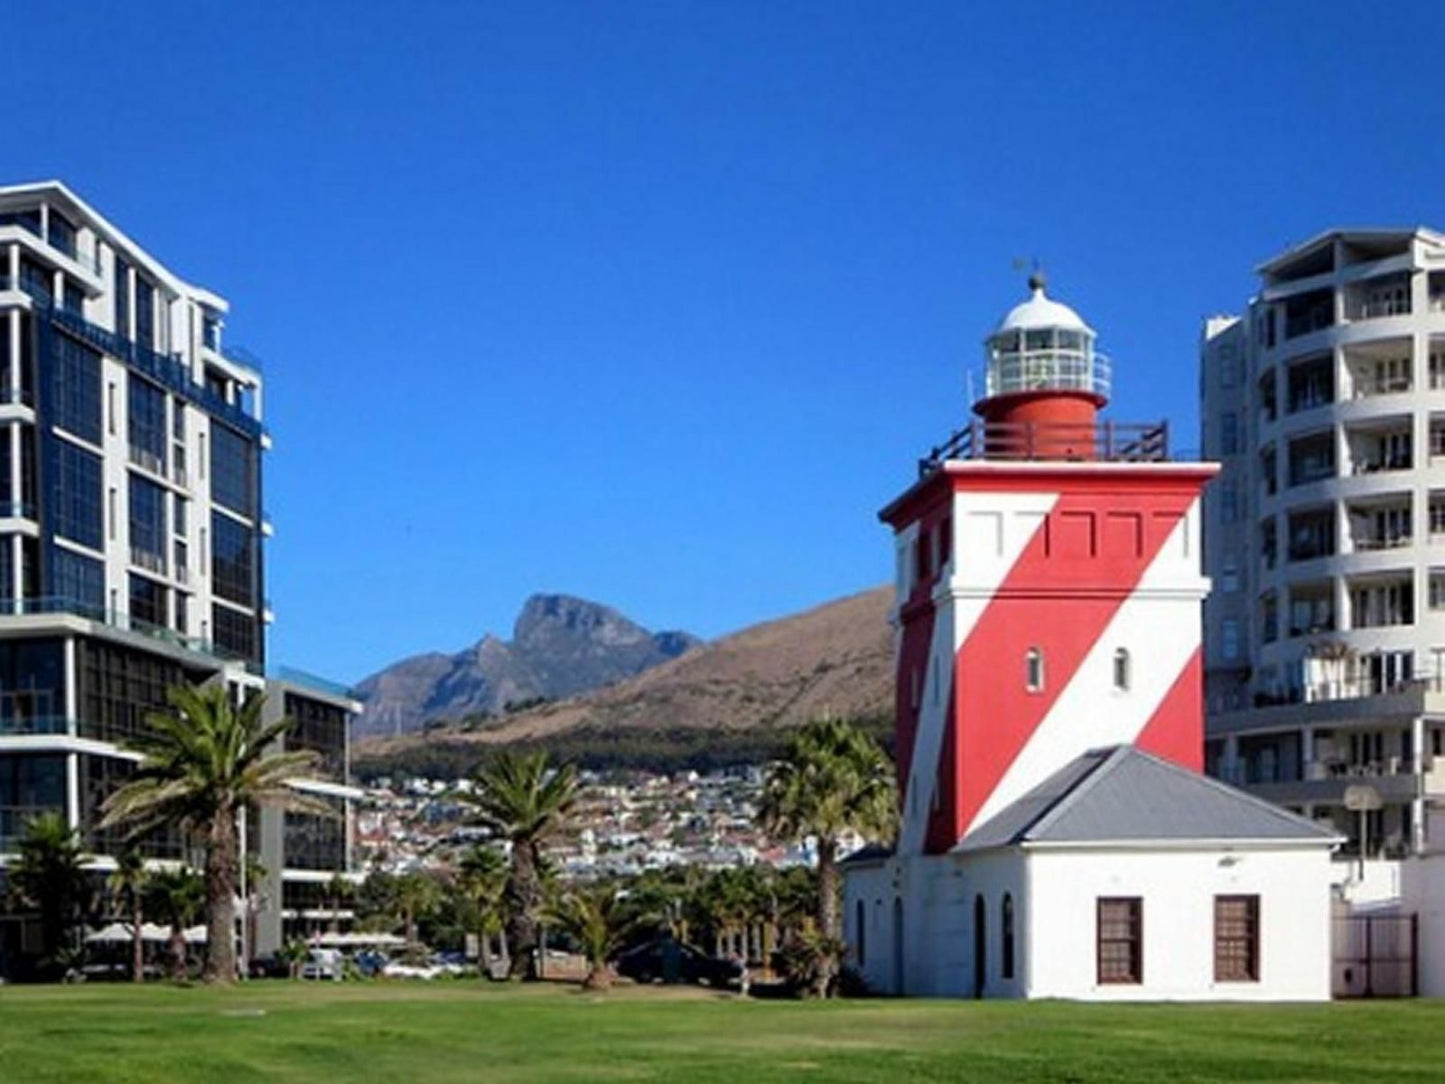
(673, 961)
(324, 964)
(371, 961)
(269, 967)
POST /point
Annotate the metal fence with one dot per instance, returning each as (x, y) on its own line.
(1375, 956)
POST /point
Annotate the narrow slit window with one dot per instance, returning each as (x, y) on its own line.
(1034, 670)
(1122, 675)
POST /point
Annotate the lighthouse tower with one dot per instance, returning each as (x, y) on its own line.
(1048, 586)
(1057, 838)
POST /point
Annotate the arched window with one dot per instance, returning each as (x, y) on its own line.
(1006, 924)
(861, 935)
(1034, 670)
(1121, 669)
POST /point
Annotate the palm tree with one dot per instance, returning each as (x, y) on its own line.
(833, 779)
(128, 882)
(203, 762)
(176, 896)
(482, 879)
(416, 894)
(525, 801)
(338, 891)
(49, 875)
(599, 921)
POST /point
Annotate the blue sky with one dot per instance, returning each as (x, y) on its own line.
(657, 303)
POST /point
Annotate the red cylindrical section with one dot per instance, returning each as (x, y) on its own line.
(1053, 424)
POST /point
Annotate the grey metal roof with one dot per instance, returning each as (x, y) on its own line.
(1122, 793)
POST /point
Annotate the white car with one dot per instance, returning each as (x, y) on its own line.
(323, 964)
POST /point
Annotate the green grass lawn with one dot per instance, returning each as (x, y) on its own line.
(457, 1031)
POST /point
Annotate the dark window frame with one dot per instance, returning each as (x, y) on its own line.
(1133, 940)
(1234, 949)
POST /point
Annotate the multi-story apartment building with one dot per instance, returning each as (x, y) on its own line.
(131, 527)
(1325, 533)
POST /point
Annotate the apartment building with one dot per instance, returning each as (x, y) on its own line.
(131, 541)
(1325, 534)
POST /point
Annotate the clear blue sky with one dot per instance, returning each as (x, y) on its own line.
(657, 303)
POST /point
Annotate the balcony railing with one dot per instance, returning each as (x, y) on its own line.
(1102, 442)
(168, 370)
(11, 723)
(117, 619)
(147, 459)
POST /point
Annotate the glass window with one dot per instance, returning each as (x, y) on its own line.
(76, 384)
(78, 582)
(146, 423)
(1007, 926)
(1229, 638)
(233, 470)
(1121, 669)
(1229, 433)
(122, 298)
(147, 601)
(147, 524)
(1236, 938)
(62, 233)
(29, 785)
(77, 495)
(145, 313)
(235, 632)
(32, 687)
(320, 727)
(1034, 670)
(233, 561)
(1120, 940)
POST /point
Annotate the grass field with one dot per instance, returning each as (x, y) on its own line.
(469, 1031)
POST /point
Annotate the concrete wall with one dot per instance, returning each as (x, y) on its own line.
(1054, 896)
(1178, 890)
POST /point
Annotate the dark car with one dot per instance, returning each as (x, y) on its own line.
(671, 961)
(269, 967)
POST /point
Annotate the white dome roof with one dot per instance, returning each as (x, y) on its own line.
(1041, 311)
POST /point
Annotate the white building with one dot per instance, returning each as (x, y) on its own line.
(1121, 877)
(1326, 405)
(131, 528)
(1057, 837)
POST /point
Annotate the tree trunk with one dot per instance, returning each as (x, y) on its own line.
(599, 978)
(178, 954)
(827, 914)
(522, 896)
(410, 917)
(137, 943)
(221, 899)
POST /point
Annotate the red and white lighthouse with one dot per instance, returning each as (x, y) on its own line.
(1057, 836)
(1048, 586)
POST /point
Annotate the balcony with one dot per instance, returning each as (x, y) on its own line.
(1378, 298)
(116, 619)
(1382, 604)
(1311, 459)
(1308, 313)
(148, 560)
(1380, 526)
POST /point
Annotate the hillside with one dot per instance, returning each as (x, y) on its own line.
(560, 646)
(730, 695)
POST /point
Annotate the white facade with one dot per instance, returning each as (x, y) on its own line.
(1054, 893)
(1325, 533)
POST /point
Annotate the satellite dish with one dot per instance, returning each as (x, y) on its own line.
(1360, 798)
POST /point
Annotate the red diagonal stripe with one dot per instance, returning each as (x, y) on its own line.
(1176, 729)
(1059, 597)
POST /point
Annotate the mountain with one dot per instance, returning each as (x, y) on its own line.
(560, 646)
(837, 658)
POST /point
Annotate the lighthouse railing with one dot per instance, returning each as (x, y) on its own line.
(1106, 441)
